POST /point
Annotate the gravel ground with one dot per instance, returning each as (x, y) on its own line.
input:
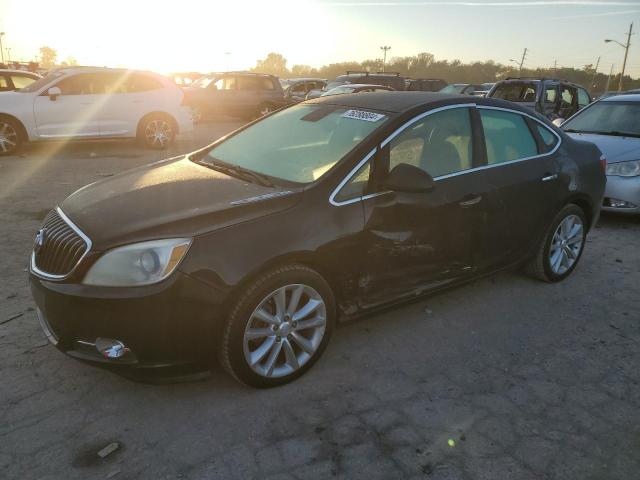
(504, 378)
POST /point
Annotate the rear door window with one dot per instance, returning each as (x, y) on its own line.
(583, 98)
(507, 136)
(516, 92)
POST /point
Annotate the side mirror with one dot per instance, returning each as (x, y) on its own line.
(558, 121)
(409, 179)
(53, 93)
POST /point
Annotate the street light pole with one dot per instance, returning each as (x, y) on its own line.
(384, 60)
(626, 53)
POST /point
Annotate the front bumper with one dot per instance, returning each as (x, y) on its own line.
(626, 189)
(170, 324)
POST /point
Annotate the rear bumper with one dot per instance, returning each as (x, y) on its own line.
(162, 326)
(626, 189)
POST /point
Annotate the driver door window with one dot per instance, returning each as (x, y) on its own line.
(441, 144)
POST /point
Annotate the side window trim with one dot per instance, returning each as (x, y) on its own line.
(399, 130)
(527, 116)
(347, 178)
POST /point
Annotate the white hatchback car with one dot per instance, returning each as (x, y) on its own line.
(94, 103)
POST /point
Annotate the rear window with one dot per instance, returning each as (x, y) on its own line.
(516, 92)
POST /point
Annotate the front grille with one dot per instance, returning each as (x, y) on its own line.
(61, 247)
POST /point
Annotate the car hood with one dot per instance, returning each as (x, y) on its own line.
(615, 149)
(171, 198)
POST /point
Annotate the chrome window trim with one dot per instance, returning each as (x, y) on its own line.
(400, 129)
(47, 276)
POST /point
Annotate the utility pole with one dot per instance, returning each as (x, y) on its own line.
(1, 49)
(524, 55)
(606, 88)
(384, 60)
(595, 72)
(626, 53)
(555, 67)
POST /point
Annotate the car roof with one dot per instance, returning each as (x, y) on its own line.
(625, 97)
(13, 70)
(305, 79)
(400, 102)
(87, 69)
(362, 85)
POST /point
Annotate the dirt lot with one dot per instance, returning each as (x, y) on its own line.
(503, 379)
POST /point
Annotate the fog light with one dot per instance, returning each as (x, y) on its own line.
(616, 203)
(110, 348)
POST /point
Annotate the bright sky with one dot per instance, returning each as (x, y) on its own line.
(194, 35)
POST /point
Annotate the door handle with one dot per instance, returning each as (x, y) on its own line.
(548, 178)
(470, 200)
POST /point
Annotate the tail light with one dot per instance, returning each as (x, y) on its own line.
(603, 163)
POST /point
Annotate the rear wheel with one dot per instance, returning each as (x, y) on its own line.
(264, 109)
(562, 246)
(157, 132)
(279, 327)
(10, 138)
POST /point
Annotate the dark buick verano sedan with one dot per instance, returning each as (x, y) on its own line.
(256, 245)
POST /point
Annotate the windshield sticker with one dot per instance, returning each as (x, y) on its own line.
(361, 115)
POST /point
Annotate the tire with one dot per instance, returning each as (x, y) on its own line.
(248, 336)
(10, 136)
(264, 109)
(157, 131)
(546, 265)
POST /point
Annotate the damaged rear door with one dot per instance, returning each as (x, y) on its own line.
(418, 241)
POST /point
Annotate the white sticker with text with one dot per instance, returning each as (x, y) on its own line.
(361, 115)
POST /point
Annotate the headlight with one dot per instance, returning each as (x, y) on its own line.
(624, 169)
(138, 264)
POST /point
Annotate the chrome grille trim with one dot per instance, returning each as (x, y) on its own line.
(49, 276)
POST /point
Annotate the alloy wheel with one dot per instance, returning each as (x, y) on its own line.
(566, 244)
(285, 330)
(158, 133)
(8, 137)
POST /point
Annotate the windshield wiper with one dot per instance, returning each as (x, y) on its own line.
(613, 133)
(239, 172)
(618, 133)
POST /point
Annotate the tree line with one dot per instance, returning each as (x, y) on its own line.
(425, 65)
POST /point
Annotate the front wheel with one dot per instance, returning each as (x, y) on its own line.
(10, 139)
(157, 132)
(562, 246)
(279, 327)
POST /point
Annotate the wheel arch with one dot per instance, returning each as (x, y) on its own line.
(586, 205)
(24, 135)
(304, 258)
(159, 113)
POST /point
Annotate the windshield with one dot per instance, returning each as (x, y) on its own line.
(338, 91)
(332, 85)
(453, 89)
(41, 82)
(607, 118)
(298, 144)
(516, 92)
(203, 82)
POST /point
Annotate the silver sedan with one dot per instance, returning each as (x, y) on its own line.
(613, 124)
